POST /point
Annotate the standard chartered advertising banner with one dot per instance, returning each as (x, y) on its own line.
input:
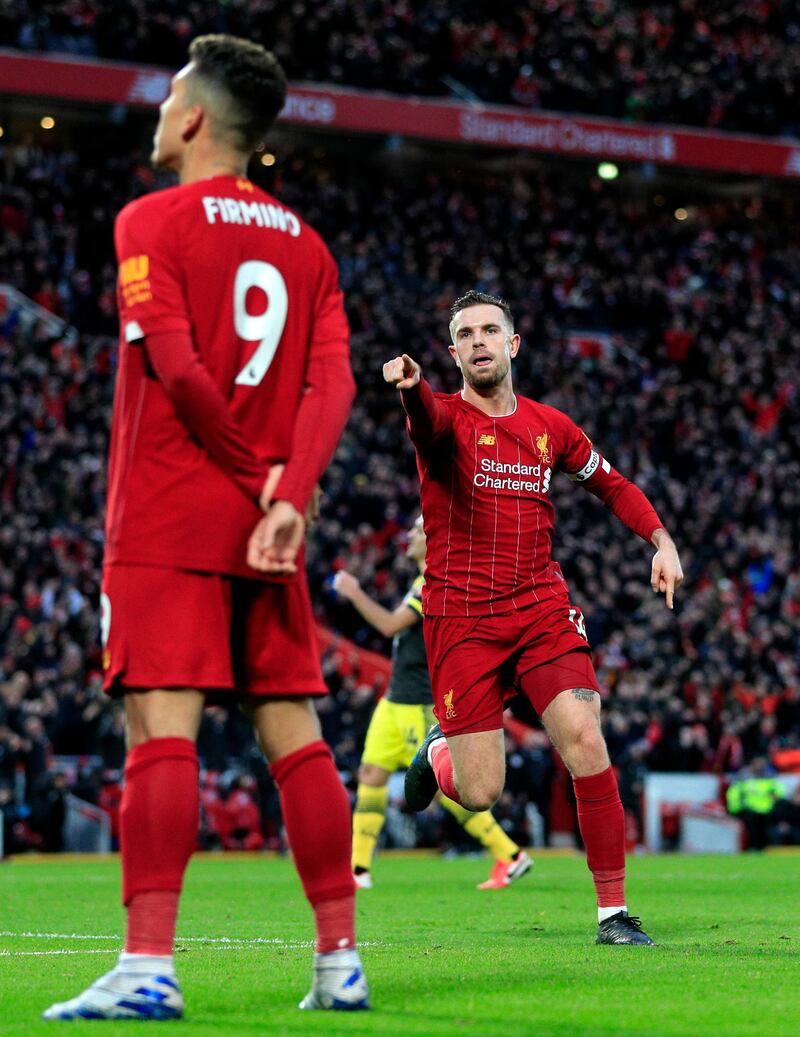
(373, 112)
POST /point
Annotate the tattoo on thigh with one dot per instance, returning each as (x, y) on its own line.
(584, 694)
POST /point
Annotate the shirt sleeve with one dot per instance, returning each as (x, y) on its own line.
(153, 310)
(584, 464)
(328, 394)
(426, 419)
(150, 286)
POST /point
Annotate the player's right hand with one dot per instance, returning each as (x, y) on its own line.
(277, 538)
(402, 372)
(345, 585)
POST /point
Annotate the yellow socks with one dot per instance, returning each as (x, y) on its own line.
(368, 818)
(484, 828)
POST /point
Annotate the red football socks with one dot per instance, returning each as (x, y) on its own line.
(158, 832)
(335, 922)
(442, 764)
(316, 812)
(151, 922)
(602, 824)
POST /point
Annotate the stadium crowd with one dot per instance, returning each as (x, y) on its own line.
(716, 63)
(674, 344)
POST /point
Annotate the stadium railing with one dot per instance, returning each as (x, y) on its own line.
(87, 828)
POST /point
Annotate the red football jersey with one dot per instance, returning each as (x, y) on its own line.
(223, 272)
(485, 485)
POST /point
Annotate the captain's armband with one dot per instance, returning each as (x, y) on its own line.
(594, 462)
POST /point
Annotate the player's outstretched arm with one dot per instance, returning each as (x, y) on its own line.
(667, 574)
(628, 503)
(402, 372)
(427, 419)
(385, 621)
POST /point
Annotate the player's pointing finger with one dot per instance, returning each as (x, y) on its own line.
(670, 589)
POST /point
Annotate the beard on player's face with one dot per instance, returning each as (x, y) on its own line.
(488, 376)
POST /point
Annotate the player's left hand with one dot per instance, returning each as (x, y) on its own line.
(666, 575)
(275, 541)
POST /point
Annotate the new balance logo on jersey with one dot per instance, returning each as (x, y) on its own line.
(134, 280)
(485, 440)
(135, 268)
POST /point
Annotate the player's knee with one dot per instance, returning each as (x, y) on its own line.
(585, 751)
(480, 793)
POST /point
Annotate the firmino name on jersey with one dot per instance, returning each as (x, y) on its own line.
(496, 475)
(244, 213)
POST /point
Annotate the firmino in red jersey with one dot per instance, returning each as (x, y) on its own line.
(232, 329)
(485, 488)
(234, 385)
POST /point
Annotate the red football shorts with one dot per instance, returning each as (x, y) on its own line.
(167, 628)
(476, 663)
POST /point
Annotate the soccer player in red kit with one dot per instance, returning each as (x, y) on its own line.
(234, 385)
(497, 609)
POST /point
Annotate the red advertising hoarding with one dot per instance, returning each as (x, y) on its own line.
(344, 109)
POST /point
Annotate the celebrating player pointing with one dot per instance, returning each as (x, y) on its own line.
(234, 385)
(497, 608)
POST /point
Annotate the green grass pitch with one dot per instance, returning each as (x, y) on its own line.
(441, 957)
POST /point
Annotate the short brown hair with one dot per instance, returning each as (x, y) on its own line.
(473, 298)
(243, 84)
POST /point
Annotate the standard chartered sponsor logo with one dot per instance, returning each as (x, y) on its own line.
(580, 138)
(309, 108)
(517, 477)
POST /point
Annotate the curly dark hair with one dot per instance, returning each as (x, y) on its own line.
(473, 298)
(242, 83)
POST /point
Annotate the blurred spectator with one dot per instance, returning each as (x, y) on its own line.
(238, 820)
(785, 828)
(753, 798)
(48, 811)
(712, 63)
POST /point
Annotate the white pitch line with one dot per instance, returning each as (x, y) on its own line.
(109, 950)
(39, 954)
(223, 942)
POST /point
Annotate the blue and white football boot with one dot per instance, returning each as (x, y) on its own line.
(130, 991)
(339, 983)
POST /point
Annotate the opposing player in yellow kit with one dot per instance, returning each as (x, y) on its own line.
(398, 727)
